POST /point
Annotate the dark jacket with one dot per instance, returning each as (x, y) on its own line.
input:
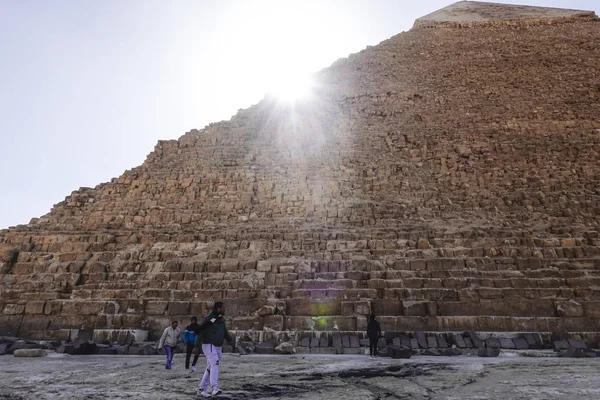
(373, 328)
(212, 330)
(189, 335)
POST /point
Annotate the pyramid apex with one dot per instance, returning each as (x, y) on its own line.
(466, 12)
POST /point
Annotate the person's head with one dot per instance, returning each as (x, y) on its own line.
(174, 324)
(194, 320)
(372, 317)
(219, 307)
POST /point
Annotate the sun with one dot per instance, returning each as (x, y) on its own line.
(292, 87)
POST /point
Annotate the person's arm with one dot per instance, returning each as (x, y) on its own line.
(162, 339)
(186, 336)
(379, 328)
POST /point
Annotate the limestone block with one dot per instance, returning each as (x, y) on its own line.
(274, 322)
(13, 309)
(569, 308)
(156, 307)
(30, 353)
(34, 307)
(178, 308)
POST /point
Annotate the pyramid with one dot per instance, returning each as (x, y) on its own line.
(446, 179)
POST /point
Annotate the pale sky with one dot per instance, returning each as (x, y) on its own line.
(87, 87)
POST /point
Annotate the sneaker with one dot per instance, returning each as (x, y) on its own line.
(193, 368)
(216, 392)
(204, 393)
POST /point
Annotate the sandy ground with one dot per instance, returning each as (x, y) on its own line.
(302, 377)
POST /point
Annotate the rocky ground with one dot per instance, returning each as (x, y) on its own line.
(60, 376)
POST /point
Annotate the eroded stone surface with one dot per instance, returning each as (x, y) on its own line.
(304, 377)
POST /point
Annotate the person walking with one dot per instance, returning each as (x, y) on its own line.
(189, 339)
(374, 333)
(210, 335)
(169, 340)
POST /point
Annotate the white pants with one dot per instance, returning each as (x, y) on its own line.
(213, 355)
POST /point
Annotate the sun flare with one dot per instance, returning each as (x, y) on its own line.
(292, 87)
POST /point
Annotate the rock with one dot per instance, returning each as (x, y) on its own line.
(29, 353)
(572, 352)
(23, 344)
(432, 342)
(3, 348)
(108, 350)
(314, 342)
(442, 342)
(304, 342)
(451, 352)
(578, 344)
(492, 342)
(337, 343)
(423, 244)
(432, 352)
(569, 308)
(520, 343)
(266, 310)
(354, 343)
(285, 348)
(507, 343)
(459, 341)
(414, 343)
(422, 339)
(399, 352)
(8, 339)
(556, 336)
(141, 350)
(590, 353)
(266, 347)
(561, 344)
(534, 341)
(345, 341)
(324, 342)
(488, 352)
(463, 151)
(478, 343)
(246, 346)
(385, 351)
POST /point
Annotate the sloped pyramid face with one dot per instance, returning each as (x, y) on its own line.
(445, 179)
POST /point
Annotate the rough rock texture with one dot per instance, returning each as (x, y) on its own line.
(302, 377)
(446, 179)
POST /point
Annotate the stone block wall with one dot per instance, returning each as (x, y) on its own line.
(446, 179)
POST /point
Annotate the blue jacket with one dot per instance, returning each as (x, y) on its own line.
(189, 335)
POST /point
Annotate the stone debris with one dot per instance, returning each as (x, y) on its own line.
(285, 348)
(488, 352)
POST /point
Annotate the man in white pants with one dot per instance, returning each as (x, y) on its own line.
(211, 335)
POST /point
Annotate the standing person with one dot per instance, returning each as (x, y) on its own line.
(169, 340)
(210, 336)
(374, 333)
(189, 339)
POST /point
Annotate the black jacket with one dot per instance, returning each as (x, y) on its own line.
(212, 330)
(373, 328)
